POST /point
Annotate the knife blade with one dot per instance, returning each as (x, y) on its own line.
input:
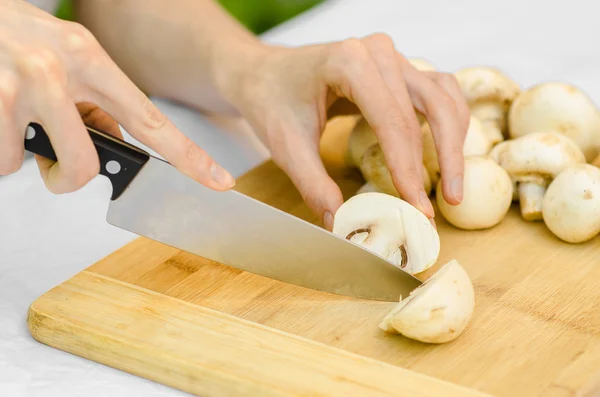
(151, 198)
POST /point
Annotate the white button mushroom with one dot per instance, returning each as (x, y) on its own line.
(391, 228)
(532, 161)
(438, 311)
(374, 169)
(571, 207)
(487, 195)
(489, 93)
(557, 107)
(477, 142)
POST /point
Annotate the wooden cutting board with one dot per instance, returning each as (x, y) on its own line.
(211, 330)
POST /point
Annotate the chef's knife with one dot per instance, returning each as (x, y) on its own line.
(151, 198)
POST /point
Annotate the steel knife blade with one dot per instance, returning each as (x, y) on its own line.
(153, 199)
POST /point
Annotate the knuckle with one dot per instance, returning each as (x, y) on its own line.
(8, 91)
(79, 42)
(381, 40)
(40, 63)
(352, 49)
(152, 117)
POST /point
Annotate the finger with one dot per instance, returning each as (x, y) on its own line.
(301, 162)
(385, 57)
(448, 133)
(95, 117)
(354, 74)
(45, 86)
(11, 143)
(132, 109)
(449, 83)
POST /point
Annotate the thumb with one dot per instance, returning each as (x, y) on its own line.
(306, 170)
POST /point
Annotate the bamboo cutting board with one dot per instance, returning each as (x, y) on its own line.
(208, 329)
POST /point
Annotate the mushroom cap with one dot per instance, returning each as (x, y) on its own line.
(422, 64)
(558, 107)
(487, 84)
(477, 142)
(538, 154)
(437, 311)
(375, 170)
(571, 206)
(361, 138)
(487, 195)
(391, 228)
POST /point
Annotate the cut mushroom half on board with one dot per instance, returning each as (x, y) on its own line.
(487, 196)
(375, 170)
(558, 107)
(532, 161)
(571, 206)
(489, 93)
(439, 310)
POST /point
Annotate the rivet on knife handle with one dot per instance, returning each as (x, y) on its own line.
(119, 161)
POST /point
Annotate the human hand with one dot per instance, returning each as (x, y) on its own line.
(288, 94)
(47, 66)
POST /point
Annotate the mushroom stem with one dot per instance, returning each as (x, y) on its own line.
(531, 196)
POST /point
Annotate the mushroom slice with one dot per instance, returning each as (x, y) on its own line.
(489, 93)
(374, 169)
(487, 195)
(477, 142)
(558, 107)
(437, 311)
(571, 207)
(391, 228)
(532, 161)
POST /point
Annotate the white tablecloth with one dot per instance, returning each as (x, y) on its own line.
(45, 239)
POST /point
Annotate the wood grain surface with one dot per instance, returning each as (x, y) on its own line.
(197, 325)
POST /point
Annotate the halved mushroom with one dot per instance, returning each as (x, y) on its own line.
(438, 311)
(532, 161)
(571, 206)
(557, 107)
(477, 142)
(374, 168)
(489, 93)
(487, 195)
(391, 228)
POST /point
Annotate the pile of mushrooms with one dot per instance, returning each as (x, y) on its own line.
(520, 145)
(440, 309)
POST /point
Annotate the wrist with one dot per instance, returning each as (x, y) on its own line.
(231, 62)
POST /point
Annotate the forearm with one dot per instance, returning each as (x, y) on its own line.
(178, 50)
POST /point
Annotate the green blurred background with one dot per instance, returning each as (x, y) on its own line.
(256, 15)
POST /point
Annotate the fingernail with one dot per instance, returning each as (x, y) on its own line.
(456, 188)
(221, 176)
(426, 203)
(328, 220)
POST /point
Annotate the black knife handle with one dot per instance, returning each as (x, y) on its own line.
(120, 161)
